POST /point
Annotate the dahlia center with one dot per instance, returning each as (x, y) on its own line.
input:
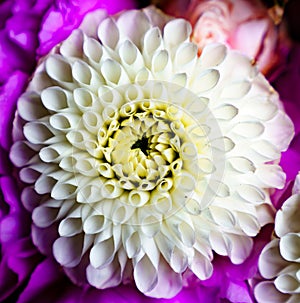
(144, 147)
(142, 144)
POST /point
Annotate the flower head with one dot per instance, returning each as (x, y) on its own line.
(140, 158)
(279, 260)
(243, 24)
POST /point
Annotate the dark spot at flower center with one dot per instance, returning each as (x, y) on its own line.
(142, 144)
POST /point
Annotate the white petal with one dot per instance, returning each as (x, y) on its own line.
(219, 243)
(70, 227)
(201, 266)
(169, 283)
(86, 76)
(138, 198)
(186, 54)
(179, 260)
(261, 109)
(271, 176)
(63, 190)
(21, 153)
(160, 61)
(225, 112)
(249, 224)
(187, 234)
(249, 129)
(266, 149)
(290, 247)
(30, 107)
(205, 81)
(176, 32)
(89, 24)
(93, 50)
(87, 167)
(73, 245)
(72, 46)
(266, 292)
(296, 187)
(213, 55)
(94, 224)
(133, 245)
(287, 218)
(222, 216)
(91, 192)
(287, 284)
(113, 73)
(55, 152)
(30, 198)
(131, 58)
(251, 193)
(265, 214)
(150, 224)
(270, 262)
(102, 253)
(78, 138)
(44, 216)
(241, 248)
(84, 99)
(59, 69)
(106, 277)
(280, 131)
(145, 275)
(108, 33)
(152, 42)
(64, 121)
(236, 90)
(122, 213)
(44, 184)
(127, 24)
(55, 98)
(40, 133)
(242, 164)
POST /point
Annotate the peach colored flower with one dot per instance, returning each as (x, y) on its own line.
(244, 25)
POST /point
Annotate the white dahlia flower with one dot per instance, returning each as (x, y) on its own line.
(141, 158)
(279, 261)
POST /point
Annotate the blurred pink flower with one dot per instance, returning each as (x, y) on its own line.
(244, 25)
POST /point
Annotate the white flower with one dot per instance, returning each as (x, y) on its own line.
(279, 261)
(142, 158)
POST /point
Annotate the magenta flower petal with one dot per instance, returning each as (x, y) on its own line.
(121, 294)
(17, 263)
(10, 91)
(291, 159)
(238, 292)
(287, 84)
(195, 295)
(18, 36)
(62, 18)
(43, 239)
(290, 162)
(18, 254)
(47, 284)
